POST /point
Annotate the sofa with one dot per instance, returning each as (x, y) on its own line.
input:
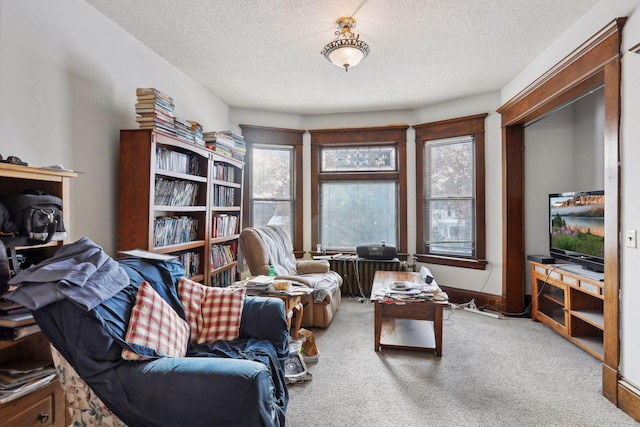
(226, 382)
(270, 245)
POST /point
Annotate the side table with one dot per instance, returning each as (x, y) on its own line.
(292, 309)
(402, 325)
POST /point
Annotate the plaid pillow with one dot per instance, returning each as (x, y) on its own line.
(154, 324)
(213, 313)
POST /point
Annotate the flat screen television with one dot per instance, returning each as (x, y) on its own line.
(576, 228)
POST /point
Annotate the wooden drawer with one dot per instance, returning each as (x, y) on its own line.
(44, 407)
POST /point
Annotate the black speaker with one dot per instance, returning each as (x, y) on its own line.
(381, 252)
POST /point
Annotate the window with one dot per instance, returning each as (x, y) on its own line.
(273, 179)
(272, 198)
(450, 192)
(359, 187)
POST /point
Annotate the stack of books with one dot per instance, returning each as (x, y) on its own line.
(16, 321)
(154, 110)
(259, 283)
(219, 142)
(239, 148)
(198, 133)
(183, 129)
(24, 376)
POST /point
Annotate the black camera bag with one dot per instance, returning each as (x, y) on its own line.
(37, 215)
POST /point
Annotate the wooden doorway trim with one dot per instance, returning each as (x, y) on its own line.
(596, 62)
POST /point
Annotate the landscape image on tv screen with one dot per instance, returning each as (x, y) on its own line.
(577, 224)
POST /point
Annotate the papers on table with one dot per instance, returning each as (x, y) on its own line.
(407, 291)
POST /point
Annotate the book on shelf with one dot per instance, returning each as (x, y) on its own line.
(221, 255)
(174, 230)
(9, 333)
(191, 263)
(175, 161)
(175, 192)
(224, 225)
(15, 320)
(224, 278)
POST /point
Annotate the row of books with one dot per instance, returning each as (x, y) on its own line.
(223, 196)
(174, 230)
(16, 321)
(224, 225)
(191, 262)
(224, 278)
(224, 172)
(169, 192)
(221, 255)
(176, 161)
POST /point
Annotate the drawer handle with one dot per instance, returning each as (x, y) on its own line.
(43, 417)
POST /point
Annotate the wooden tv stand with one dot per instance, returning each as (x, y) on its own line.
(570, 300)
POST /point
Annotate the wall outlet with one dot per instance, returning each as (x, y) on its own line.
(631, 239)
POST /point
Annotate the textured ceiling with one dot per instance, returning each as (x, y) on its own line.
(265, 54)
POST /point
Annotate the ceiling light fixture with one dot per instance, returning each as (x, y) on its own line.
(347, 50)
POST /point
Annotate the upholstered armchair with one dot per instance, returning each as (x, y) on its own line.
(262, 247)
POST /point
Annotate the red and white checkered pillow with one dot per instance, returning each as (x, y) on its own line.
(213, 313)
(156, 325)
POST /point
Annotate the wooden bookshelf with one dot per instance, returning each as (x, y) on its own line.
(145, 165)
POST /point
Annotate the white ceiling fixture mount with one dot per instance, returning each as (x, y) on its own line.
(347, 50)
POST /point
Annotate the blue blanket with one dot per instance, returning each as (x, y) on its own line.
(234, 383)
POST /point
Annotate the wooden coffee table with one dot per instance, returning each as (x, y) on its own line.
(413, 325)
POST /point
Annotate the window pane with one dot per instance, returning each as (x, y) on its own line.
(271, 173)
(449, 170)
(358, 159)
(265, 212)
(449, 227)
(358, 213)
(449, 178)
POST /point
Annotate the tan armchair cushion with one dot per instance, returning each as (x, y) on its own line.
(312, 266)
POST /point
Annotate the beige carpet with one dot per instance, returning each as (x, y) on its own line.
(509, 372)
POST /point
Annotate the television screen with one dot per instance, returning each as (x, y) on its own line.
(576, 227)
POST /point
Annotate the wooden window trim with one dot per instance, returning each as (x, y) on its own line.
(461, 126)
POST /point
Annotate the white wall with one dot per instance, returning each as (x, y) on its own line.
(67, 86)
(603, 13)
(630, 219)
(489, 280)
(564, 152)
